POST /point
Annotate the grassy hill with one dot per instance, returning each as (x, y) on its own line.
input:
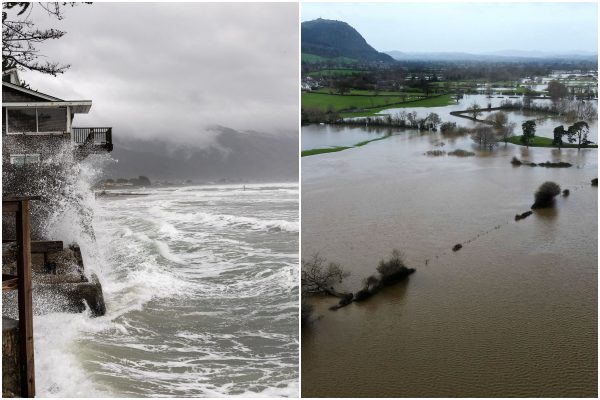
(331, 39)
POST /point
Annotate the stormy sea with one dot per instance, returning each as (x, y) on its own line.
(201, 292)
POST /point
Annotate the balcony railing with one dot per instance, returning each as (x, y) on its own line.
(93, 136)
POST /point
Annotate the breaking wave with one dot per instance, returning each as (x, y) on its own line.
(200, 285)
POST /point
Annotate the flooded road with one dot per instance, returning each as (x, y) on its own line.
(514, 313)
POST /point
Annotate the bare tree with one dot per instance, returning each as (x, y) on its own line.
(507, 131)
(412, 117)
(587, 111)
(474, 110)
(20, 37)
(319, 277)
(434, 119)
(498, 119)
(485, 137)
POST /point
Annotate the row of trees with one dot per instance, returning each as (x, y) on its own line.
(571, 110)
(402, 119)
(488, 136)
(576, 133)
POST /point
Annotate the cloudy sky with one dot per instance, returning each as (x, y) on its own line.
(160, 70)
(468, 27)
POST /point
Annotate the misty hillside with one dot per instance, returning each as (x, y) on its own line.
(328, 38)
(234, 155)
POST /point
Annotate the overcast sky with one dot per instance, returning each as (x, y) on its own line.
(467, 27)
(160, 70)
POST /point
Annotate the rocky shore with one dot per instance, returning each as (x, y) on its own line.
(59, 285)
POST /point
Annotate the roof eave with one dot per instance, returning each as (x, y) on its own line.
(77, 106)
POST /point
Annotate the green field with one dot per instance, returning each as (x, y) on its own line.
(340, 103)
(438, 101)
(314, 59)
(361, 92)
(313, 152)
(370, 105)
(540, 141)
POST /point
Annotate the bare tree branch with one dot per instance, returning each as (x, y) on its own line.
(20, 37)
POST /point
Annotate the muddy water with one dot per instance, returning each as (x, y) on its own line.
(514, 313)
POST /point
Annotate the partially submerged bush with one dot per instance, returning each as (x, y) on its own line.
(435, 153)
(393, 269)
(526, 214)
(364, 294)
(544, 196)
(595, 182)
(560, 164)
(451, 129)
(448, 127)
(346, 299)
(461, 153)
(566, 192)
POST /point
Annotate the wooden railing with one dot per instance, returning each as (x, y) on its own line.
(22, 283)
(97, 136)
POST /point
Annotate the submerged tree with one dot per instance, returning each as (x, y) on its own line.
(498, 119)
(557, 90)
(586, 110)
(434, 120)
(474, 110)
(485, 137)
(319, 277)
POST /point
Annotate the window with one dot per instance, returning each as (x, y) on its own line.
(52, 119)
(21, 120)
(35, 120)
(22, 159)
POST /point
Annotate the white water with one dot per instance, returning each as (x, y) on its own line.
(200, 285)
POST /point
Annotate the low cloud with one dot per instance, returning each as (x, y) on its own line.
(161, 71)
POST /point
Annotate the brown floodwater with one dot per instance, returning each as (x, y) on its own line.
(513, 313)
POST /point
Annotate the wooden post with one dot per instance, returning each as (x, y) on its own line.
(25, 306)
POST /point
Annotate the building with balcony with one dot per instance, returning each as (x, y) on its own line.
(35, 124)
(41, 148)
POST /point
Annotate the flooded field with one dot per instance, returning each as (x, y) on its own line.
(513, 313)
(318, 136)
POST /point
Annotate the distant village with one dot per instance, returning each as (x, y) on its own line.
(143, 182)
